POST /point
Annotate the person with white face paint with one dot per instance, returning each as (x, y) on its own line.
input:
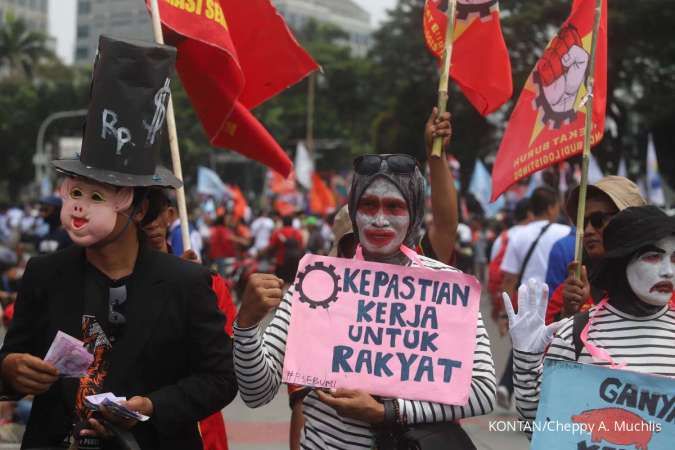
(633, 326)
(386, 207)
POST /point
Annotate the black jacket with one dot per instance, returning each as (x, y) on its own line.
(174, 349)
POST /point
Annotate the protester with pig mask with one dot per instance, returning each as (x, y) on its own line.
(386, 207)
(150, 319)
(631, 327)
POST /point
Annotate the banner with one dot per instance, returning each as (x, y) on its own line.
(394, 331)
(547, 124)
(480, 60)
(603, 408)
(655, 195)
(304, 166)
(481, 187)
(209, 183)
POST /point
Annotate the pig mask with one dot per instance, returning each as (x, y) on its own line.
(90, 209)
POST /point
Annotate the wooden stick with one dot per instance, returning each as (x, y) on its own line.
(588, 129)
(173, 140)
(445, 73)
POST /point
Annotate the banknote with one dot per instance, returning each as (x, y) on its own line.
(115, 407)
(69, 356)
(113, 404)
(94, 401)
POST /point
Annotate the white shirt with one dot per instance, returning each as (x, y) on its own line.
(261, 230)
(497, 246)
(520, 243)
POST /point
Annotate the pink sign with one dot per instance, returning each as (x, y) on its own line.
(393, 331)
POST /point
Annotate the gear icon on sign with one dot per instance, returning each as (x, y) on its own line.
(302, 276)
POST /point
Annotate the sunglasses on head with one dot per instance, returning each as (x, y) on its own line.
(598, 219)
(371, 164)
(117, 296)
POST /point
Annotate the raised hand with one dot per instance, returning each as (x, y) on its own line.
(437, 126)
(527, 328)
(263, 293)
(575, 291)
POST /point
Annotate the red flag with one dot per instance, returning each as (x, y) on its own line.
(232, 56)
(480, 61)
(240, 203)
(321, 199)
(287, 199)
(269, 55)
(547, 124)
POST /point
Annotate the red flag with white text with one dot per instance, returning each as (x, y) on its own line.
(233, 56)
(480, 60)
(547, 124)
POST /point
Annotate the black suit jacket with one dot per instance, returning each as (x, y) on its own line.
(174, 349)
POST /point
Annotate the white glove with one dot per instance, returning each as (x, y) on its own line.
(528, 330)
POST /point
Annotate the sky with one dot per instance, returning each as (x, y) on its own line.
(62, 22)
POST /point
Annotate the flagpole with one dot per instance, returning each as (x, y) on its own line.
(588, 129)
(445, 72)
(173, 140)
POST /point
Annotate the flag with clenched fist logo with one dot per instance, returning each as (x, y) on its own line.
(547, 124)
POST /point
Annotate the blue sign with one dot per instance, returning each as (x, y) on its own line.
(586, 407)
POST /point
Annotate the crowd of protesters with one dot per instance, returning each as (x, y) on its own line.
(533, 240)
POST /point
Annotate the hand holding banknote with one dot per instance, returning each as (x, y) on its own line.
(116, 410)
(69, 356)
(27, 374)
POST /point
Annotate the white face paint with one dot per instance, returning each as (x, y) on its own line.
(382, 218)
(650, 275)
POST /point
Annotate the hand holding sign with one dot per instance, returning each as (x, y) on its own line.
(354, 404)
(263, 294)
(528, 330)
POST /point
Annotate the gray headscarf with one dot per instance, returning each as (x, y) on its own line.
(412, 189)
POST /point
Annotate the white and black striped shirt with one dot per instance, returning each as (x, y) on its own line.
(644, 344)
(259, 362)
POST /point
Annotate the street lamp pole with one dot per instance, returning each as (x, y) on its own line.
(40, 160)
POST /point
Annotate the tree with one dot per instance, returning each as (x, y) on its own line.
(641, 68)
(23, 107)
(20, 48)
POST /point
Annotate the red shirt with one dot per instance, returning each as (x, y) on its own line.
(278, 239)
(221, 245)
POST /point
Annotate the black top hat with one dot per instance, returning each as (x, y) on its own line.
(127, 112)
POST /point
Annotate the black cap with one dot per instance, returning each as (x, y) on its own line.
(635, 228)
(127, 111)
(629, 231)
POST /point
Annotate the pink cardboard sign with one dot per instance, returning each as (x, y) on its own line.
(393, 331)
